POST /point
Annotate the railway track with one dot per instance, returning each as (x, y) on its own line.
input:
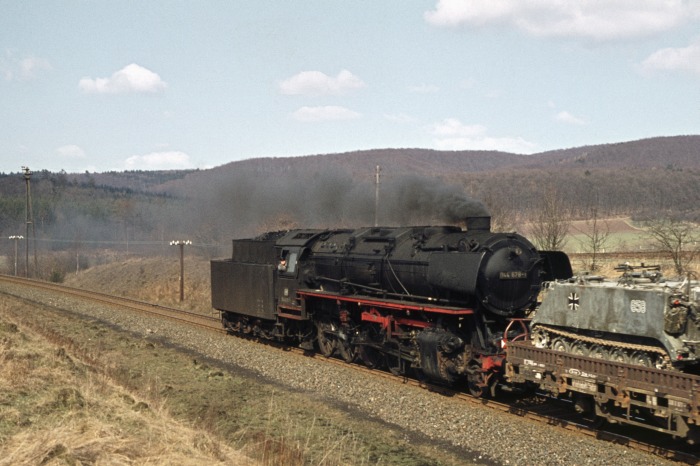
(542, 409)
(534, 409)
(188, 317)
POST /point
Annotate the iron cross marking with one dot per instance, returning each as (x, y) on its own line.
(573, 301)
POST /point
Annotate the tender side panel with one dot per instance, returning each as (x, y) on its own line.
(243, 288)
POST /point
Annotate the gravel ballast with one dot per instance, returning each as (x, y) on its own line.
(484, 435)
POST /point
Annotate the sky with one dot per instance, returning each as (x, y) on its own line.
(92, 85)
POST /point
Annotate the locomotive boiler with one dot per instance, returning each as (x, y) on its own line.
(435, 301)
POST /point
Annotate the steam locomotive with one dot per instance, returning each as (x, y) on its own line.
(436, 301)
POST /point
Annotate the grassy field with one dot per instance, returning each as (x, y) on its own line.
(57, 409)
(622, 236)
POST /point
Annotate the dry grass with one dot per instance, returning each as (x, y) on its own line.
(75, 392)
(56, 410)
(154, 279)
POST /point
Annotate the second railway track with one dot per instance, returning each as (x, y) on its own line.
(192, 318)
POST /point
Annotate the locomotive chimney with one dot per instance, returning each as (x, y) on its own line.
(478, 223)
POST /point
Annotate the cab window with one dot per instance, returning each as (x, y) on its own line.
(288, 261)
(292, 262)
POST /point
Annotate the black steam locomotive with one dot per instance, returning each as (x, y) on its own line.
(440, 302)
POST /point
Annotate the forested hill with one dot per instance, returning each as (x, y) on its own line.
(680, 152)
(673, 153)
(651, 177)
(629, 178)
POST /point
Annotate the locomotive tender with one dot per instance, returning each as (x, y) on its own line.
(437, 301)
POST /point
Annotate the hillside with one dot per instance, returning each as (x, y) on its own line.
(141, 211)
(680, 153)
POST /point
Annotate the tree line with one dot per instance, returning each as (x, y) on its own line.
(212, 207)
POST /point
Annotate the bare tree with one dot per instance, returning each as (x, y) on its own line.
(595, 235)
(676, 237)
(551, 225)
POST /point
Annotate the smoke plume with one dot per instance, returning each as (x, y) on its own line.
(252, 202)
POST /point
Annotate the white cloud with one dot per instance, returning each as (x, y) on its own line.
(592, 19)
(131, 78)
(675, 59)
(172, 160)
(327, 113)
(318, 83)
(451, 134)
(568, 118)
(23, 69)
(71, 151)
(452, 127)
(29, 67)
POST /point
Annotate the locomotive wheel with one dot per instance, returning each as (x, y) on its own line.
(476, 386)
(326, 342)
(480, 383)
(393, 362)
(346, 350)
(370, 356)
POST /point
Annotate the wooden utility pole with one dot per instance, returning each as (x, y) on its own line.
(376, 198)
(29, 217)
(16, 238)
(182, 265)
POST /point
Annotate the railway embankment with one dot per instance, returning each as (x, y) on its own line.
(269, 404)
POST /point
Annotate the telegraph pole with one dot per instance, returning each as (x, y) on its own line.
(182, 265)
(376, 198)
(16, 238)
(29, 217)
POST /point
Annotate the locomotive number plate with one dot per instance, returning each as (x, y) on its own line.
(514, 275)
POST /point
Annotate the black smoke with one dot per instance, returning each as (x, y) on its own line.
(253, 201)
(418, 200)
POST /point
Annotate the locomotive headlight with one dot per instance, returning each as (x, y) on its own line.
(515, 252)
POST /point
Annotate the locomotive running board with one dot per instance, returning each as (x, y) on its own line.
(363, 301)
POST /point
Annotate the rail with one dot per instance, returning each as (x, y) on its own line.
(188, 317)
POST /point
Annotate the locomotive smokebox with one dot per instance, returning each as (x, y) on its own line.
(478, 223)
